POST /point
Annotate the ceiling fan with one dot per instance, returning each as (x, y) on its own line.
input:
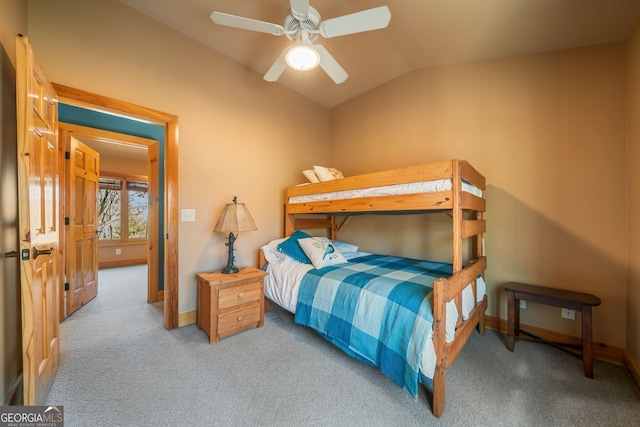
(302, 25)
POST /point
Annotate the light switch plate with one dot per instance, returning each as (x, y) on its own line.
(188, 215)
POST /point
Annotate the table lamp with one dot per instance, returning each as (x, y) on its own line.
(235, 218)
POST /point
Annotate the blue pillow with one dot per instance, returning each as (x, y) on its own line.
(292, 248)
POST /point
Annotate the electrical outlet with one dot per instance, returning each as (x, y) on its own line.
(569, 314)
(118, 251)
(523, 303)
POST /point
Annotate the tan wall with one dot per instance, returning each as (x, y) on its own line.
(633, 120)
(13, 19)
(548, 132)
(108, 254)
(239, 135)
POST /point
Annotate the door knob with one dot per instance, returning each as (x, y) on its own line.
(12, 254)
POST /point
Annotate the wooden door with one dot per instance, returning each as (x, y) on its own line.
(38, 207)
(81, 218)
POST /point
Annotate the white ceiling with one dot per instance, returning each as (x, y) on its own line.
(422, 33)
(116, 149)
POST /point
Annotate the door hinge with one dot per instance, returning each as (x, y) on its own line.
(66, 286)
(66, 220)
(67, 155)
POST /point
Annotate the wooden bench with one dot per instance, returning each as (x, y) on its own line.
(577, 301)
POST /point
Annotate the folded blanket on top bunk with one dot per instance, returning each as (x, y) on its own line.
(375, 308)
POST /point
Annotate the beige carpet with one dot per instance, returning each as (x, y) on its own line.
(119, 367)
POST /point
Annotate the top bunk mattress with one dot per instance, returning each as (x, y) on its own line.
(432, 186)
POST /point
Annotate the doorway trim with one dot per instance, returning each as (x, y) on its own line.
(152, 175)
(91, 101)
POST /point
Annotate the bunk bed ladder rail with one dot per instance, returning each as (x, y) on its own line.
(456, 183)
(466, 228)
(450, 289)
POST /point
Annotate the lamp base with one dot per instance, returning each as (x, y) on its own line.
(230, 269)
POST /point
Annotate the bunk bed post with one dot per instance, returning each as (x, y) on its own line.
(289, 223)
(456, 213)
(439, 335)
(479, 238)
(333, 232)
(456, 182)
(479, 253)
(439, 380)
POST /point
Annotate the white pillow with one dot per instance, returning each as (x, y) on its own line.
(271, 253)
(321, 252)
(311, 176)
(344, 247)
(327, 174)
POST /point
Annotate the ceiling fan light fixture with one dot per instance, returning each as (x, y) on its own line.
(302, 57)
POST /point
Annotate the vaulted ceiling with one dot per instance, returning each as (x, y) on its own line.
(421, 33)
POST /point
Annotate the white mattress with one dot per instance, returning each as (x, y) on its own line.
(388, 190)
(282, 286)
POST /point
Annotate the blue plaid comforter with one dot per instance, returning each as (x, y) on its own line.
(376, 309)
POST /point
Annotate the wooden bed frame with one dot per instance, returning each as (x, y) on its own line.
(466, 211)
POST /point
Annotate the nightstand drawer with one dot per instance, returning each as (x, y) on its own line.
(238, 295)
(239, 319)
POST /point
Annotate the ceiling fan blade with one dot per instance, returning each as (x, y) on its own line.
(330, 65)
(366, 20)
(243, 23)
(277, 68)
(299, 9)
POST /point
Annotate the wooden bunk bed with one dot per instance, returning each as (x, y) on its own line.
(466, 211)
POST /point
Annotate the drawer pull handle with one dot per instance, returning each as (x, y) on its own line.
(240, 318)
(241, 295)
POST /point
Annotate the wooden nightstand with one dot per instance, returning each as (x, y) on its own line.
(230, 303)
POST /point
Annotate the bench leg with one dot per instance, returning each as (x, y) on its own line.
(513, 312)
(587, 343)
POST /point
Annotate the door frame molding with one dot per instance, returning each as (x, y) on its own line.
(152, 149)
(91, 101)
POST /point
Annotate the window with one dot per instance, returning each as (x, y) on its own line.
(123, 208)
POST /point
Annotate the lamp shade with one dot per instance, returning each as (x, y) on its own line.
(235, 217)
